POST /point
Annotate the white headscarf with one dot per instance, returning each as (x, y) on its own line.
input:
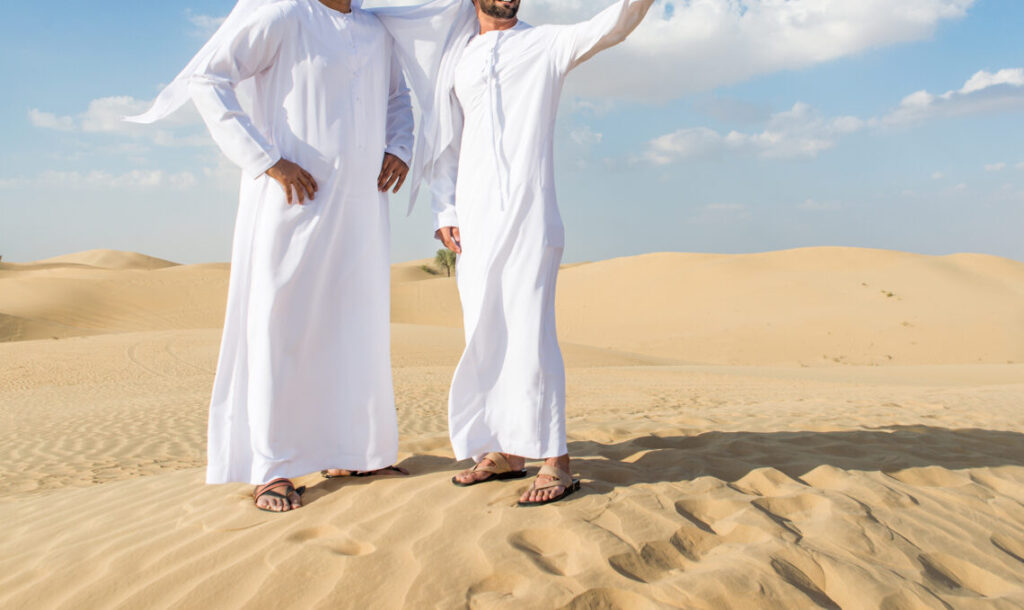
(175, 95)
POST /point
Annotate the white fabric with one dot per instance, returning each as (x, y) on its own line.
(175, 95)
(429, 39)
(304, 377)
(494, 178)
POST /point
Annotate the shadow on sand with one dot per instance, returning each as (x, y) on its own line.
(730, 456)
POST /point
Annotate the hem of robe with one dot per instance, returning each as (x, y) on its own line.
(529, 452)
(293, 470)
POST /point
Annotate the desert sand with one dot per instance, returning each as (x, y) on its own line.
(827, 427)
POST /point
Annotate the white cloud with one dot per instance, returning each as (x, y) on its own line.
(48, 120)
(995, 167)
(133, 180)
(960, 187)
(585, 136)
(205, 25)
(798, 132)
(938, 176)
(983, 92)
(104, 116)
(684, 47)
(1020, 165)
(802, 132)
(984, 80)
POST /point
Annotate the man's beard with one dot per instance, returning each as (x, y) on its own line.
(493, 8)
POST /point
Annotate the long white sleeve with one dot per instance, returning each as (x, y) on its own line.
(446, 174)
(251, 51)
(400, 122)
(577, 43)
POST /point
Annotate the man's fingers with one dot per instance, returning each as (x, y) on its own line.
(401, 180)
(391, 180)
(287, 192)
(307, 183)
(312, 180)
(300, 192)
(457, 240)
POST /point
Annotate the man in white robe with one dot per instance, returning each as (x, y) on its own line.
(488, 153)
(304, 377)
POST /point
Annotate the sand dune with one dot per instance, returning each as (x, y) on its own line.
(109, 259)
(726, 463)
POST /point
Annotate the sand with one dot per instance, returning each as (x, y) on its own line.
(825, 427)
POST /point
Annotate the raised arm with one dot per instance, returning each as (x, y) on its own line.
(212, 89)
(577, 43)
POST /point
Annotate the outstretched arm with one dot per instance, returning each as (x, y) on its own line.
(577, 43)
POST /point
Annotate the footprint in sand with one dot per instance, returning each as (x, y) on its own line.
(551, 550)
(653, 562)
(610, 598)
(693, 542)
(799, 579)
(497, 590)
(705, 512)
(332, 539)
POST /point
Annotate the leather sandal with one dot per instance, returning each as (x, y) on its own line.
(499, 471)
(562, 479)
(270, 489)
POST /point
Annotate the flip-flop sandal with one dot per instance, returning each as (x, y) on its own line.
(363, 473)
(562, 479)
(500, 471)
(268, 489)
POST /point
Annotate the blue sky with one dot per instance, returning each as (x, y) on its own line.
(721, 126)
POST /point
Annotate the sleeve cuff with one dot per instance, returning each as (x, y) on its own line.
(447, 218)
(259, 167)
(402, 152)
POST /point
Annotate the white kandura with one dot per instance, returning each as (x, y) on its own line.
(489, 142)
(304, 377)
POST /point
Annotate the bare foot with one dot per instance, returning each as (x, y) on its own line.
(533, 495)
(272, 496)
(467, 477)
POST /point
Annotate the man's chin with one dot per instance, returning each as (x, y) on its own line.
(501, 10)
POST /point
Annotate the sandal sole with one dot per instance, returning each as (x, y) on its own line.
(505, 476)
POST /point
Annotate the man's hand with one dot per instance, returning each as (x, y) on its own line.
(392, 171)
(449, 236)
(290, 176)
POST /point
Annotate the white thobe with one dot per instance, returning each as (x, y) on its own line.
(496, 182)
(304, 377)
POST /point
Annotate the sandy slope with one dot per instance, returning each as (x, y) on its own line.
(716, 485)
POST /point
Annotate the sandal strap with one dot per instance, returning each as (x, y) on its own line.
(276, 484)
(500, 464)
(562, 478)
